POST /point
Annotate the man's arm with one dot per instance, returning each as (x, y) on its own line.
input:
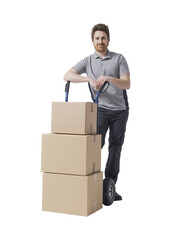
(123, 82)
(73, 76)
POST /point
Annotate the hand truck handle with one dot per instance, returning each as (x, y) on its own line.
(67, 86)
(105, 85)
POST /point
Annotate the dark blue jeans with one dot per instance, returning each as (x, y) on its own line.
(115, 121)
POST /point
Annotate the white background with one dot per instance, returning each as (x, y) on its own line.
(40, 41)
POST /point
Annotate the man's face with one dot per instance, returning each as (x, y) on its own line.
(100, 41)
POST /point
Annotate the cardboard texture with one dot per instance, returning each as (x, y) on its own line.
(79, 195)
(71, 154)
(71, 160)
(74, 118)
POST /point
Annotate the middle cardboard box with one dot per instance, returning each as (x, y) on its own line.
(71, 154)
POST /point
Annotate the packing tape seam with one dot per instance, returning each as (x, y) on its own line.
(93, 167)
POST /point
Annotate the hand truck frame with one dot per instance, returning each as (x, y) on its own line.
(108, 183)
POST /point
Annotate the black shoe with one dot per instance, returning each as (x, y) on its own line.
(117, 197)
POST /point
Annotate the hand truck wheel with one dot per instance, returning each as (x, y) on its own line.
(108, 191)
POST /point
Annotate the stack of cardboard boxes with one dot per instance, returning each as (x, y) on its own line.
(71, 160)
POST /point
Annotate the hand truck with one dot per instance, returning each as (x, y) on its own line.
(108, 183)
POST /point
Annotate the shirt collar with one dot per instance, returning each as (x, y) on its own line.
(107, 56)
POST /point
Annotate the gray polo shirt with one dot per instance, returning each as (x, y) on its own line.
(113, 65)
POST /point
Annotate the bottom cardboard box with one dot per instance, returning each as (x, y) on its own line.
(72, 194)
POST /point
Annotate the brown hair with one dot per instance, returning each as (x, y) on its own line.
(100, 27)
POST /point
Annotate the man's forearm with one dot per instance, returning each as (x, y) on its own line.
(123, 82)
(120, 83)
(75, 77)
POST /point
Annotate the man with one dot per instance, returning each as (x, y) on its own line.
(100, 67)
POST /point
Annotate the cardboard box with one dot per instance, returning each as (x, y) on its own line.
(71, 154)
(78, 195)
(74, 118)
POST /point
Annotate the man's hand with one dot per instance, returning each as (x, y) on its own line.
(102, 79)
(95, 84)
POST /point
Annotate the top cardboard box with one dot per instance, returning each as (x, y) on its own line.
(74, 117)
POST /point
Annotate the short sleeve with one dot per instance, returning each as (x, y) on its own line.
(123, 66)
(80, 67)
